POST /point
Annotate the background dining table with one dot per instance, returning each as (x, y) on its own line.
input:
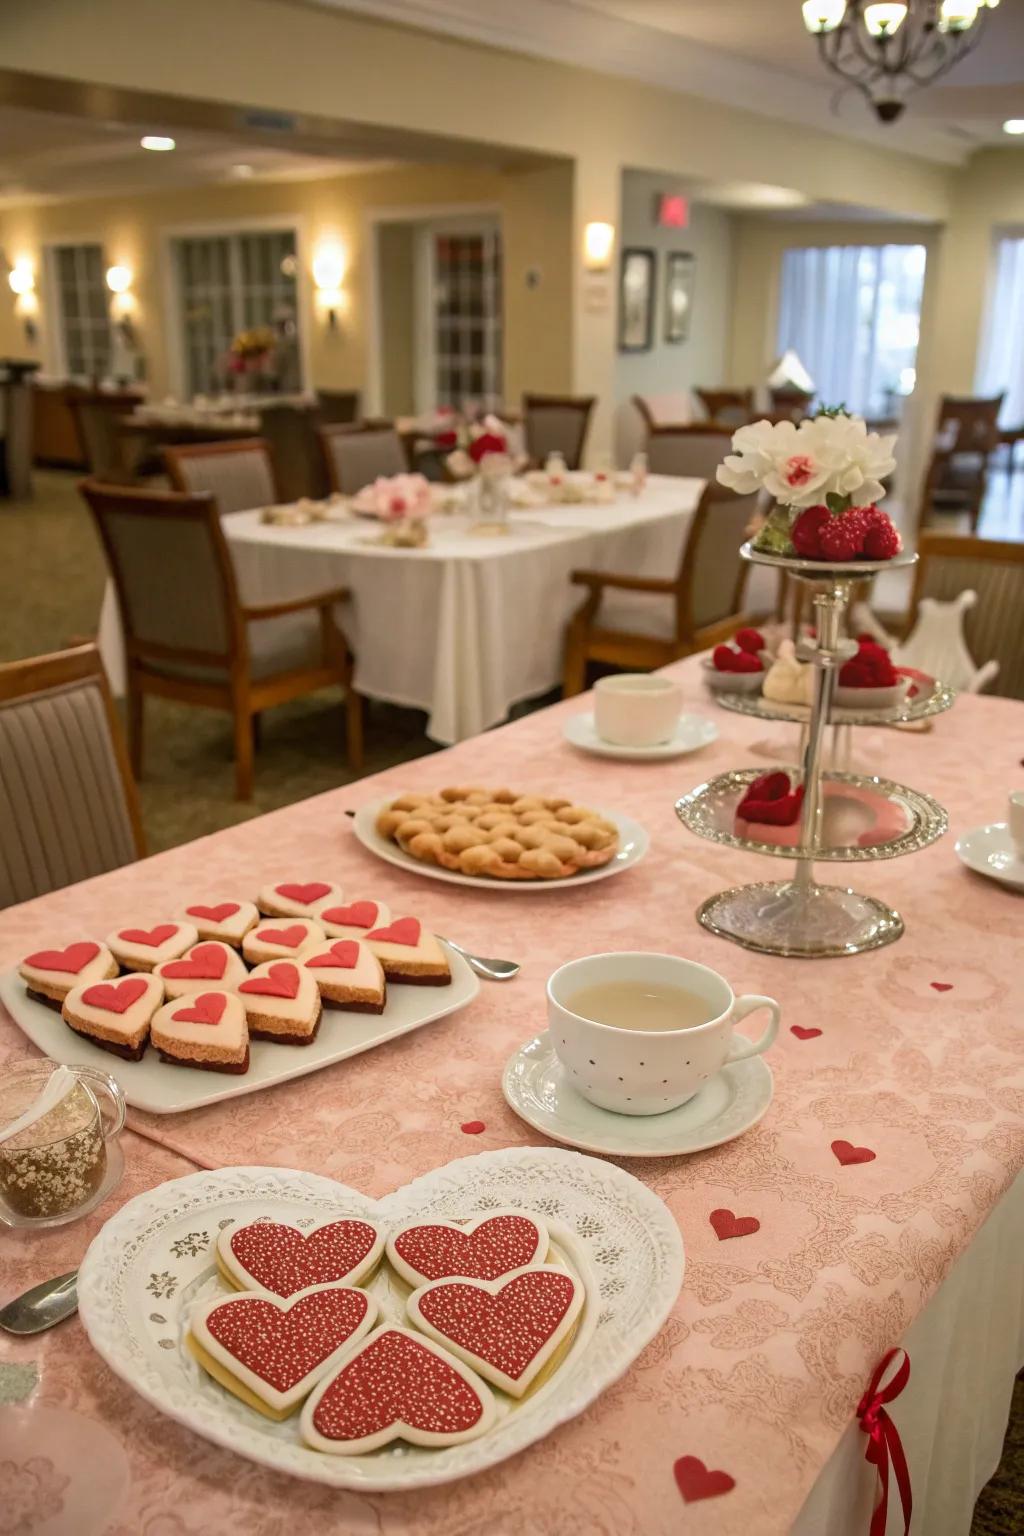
(914, 1052)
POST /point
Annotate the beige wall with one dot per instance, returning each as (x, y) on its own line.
(397, 256)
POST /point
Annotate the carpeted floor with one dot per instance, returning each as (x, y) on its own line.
(51, 583)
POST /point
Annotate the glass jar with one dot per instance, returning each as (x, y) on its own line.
(65, 1162)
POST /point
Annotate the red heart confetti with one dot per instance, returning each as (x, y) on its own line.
(205, 1008)
(305, 895)
(152, 938)
(404, 930)
(117, 996)
(280, 981)
(288, 938)
(695, 1481)
(283, 1260)
(215, 914)
(343, 956)
(396, 1379)
(71, 960)
(941, 986)
(727, 1225)
(207, 962)
(361, 914)
(803, 1032)
(847, 1153)
(472, 1127)
(283, 1347)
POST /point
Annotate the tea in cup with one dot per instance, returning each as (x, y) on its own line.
(1016, 822)
(54, 1167)
(642, 1033)
(636, 709)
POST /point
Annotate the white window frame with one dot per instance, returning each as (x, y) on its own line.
(54, 340)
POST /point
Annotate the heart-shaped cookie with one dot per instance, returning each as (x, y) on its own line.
(274, 940)
(396, 1385)
(269, 1256)
(68, 961)
(143, 949)
(282, 1003)
(202, 1008)
(297, 898)
(409, 953)
(208, 966)
(115, 996)
(506, 1329)
(275, 1351)
(115, 1015)
(348, 974)
(484, 1249)
(205, 1029)
(228, 921)
(50, 974)
(354, 920)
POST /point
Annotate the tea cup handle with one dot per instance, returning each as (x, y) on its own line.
(740, 1048)
(102, 1084)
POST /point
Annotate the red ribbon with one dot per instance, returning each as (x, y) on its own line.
(884, 1443)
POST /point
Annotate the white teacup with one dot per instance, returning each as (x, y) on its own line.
(641, 1071)
(636, 709)
(1017, 821)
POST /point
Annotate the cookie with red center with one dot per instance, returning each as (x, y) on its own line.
(409, 953)
(271, 1353)
(348, 974)
(50, 974)
(297, 898)
(280, 939)
(282, 1003)
(207, 966)
(115, 1015)
(142, 946)
(222, 918)
(203, 1029)
(354, 919)
(396, 1385)
(506, 1329)
(485, 1249)
(274, 1257)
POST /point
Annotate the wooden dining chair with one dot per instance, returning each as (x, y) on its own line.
(238, 473)
(789, 403)
(356, 456)
(730, 407)
(643, 622)
(557, 424)
(338, 407)
(98, 414)
(657, 411)
(189, 637)
(694, 452)
(966, 436)
(290, 434)
(949, 564)
(68, 806)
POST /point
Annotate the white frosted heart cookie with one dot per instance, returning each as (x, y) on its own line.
(296, 898)
(280, 939)
(348, 975)
(271, 1353)
(353, 920)
(228, 921)
(485, 1249)
(143, 949)
(282, 1003)
(115, 1015)
(506, 1329)
(409, 953)
(267, 1255)
(207, 966)
(204, 1029)
(50, 974)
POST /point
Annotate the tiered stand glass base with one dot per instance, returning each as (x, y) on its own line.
(800, 916)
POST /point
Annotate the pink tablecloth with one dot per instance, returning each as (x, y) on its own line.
(760, 1367)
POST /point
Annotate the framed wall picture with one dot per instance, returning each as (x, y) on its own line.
(680, 274)
(636, 300)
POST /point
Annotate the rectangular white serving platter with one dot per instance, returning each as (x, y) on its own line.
(165, 1089)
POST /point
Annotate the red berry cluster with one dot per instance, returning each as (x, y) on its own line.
(771, 800)
(871, 667)
(860, 533)
(746, 658)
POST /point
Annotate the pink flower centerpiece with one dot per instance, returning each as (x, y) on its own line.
(402, 503)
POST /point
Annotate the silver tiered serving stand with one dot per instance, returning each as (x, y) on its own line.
(800, 916)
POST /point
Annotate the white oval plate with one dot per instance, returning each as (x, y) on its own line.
(535, 1086)
(633, 844)
(153, 1261)
(990, 851)
(691, 733)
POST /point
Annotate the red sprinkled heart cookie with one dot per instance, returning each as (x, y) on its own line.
(727, 1225)
(847, 1153)
(270, 1256)
(482, 1250)
(695, 1481)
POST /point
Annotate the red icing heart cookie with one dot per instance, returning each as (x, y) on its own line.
(404, 930)
(206, 962)
(361, 914)
(280, 1349)
(218, 914)
(281, 980)
(695, 1481)
(269, 1256)
(115, 996)
(483, 1250)
(151, 937)
(506, 1329)
(289, 938)
(70, 960)
(397, 1385)
(341, 956)
(202, 1008)
(305, 894)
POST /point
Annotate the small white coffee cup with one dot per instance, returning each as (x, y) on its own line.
(636, 709)
(1017, 821)
(647, 1072)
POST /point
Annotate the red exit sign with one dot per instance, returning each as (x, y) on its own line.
(673, 211)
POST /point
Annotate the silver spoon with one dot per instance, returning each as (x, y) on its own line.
(44, 1306)
(491, 970)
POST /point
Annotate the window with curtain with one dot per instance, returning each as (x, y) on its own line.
(236, 282)
(82, 303)
(1001, 364)
(852, 315)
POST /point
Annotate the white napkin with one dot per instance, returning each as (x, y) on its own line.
(58, 1086)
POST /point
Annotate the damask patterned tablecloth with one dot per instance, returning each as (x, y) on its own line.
(920, 1058)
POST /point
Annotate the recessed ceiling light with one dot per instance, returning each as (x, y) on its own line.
(156, 141)
(1014, 125)
(243, 172)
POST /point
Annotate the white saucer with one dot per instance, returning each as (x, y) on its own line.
(534, 1086)
(990, 851)
(692, 732)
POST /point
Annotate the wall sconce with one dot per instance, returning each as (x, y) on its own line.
(598, 244)
(328, 275)
(122, 303)
(22, 282)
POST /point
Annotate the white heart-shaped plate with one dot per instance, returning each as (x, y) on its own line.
(154, 1260)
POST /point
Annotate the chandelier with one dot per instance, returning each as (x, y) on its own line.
(887, 48)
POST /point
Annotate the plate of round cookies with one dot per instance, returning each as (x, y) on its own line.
(499, 838)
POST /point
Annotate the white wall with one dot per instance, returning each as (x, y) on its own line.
(703, 358)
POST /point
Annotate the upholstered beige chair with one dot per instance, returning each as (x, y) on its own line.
(727, 407)
(693, 452)
(338, 407)
(68, 807)
(642, 622)
(290, 433)
(238, 474)
(99, 414)
(994, 628)
(356, 456)
(556, 424)
(189, 637)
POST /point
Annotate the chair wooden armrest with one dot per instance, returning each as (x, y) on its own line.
(595, 580)
(296, 604)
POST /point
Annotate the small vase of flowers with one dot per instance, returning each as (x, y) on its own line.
(251, 358)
